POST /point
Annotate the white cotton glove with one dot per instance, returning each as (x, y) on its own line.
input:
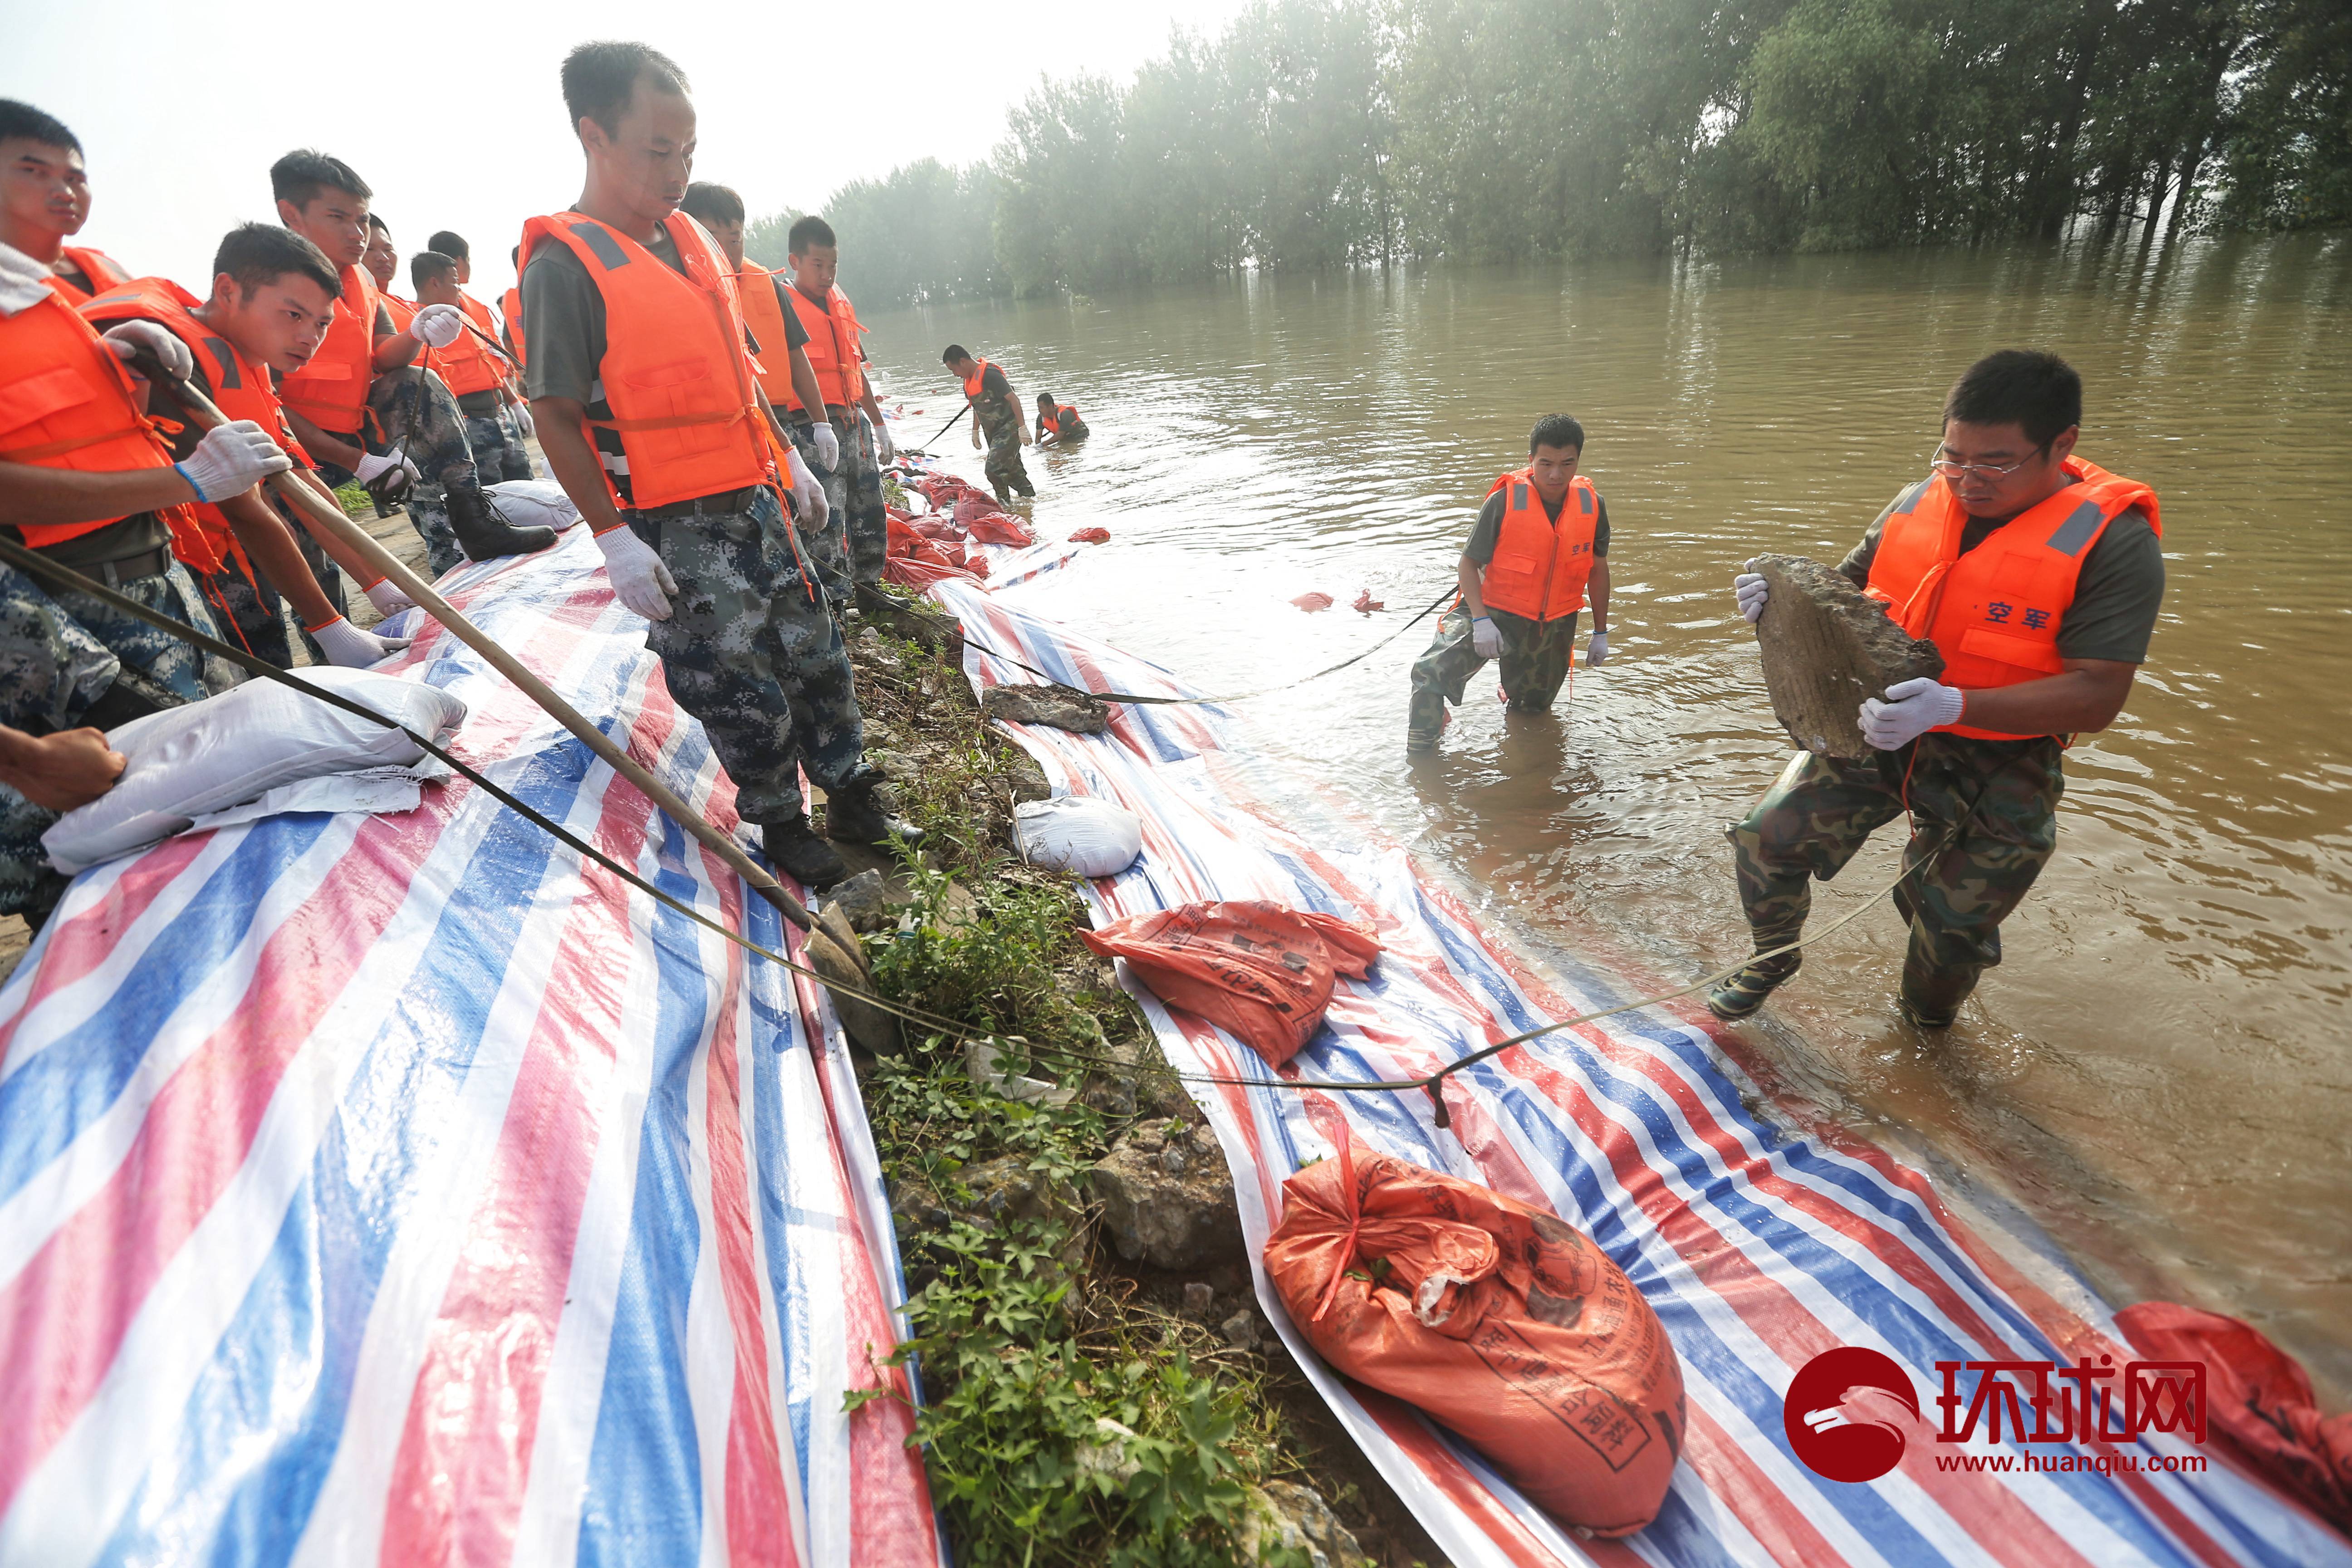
(828, 444)
(132, 336)
(975, 435)
(885, 450)
(231, 459)
(437, 326)
(388, 600)
(523, 422)
(345, 645)
(1912, 708)
(638, 576)
(1485, 640)
(1748, 588)
(1597, 651)
(807, 491)
(372, 464)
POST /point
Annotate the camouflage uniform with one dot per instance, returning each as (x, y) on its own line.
(60, 653)
(254, 609)
(870, 524)
(1000, 426)
(496, 441)
(827, 548)
(750, 651)
(420, 418)
(1535, 663)
(1811, 822)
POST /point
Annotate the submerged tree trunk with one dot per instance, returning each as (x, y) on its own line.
(2053, 177)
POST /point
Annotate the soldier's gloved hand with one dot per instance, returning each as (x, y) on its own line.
(523, 422)
(807, 493)
(1912, 708)
(1748, 588)
(345, 645)
(231, 459)
(437, 326)
(975, 435)
(1485, 640)
(132, 337)
(639, 579)
(374, 464)
(388, 600)
(1597, 651)
(885, 450)
(828, 444)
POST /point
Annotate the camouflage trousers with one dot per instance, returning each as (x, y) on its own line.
(498, 446)
(827, 548)
(420, 418)
(751, 650)
(61, 655)
(1006, 471)
(870, 524)
(1534, 661)
(1822, 809)
(252, 611)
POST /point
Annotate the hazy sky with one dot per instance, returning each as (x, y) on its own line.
(454, 115)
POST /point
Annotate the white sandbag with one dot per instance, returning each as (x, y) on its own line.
(1078, 833)
(186, 763)
(526, 503)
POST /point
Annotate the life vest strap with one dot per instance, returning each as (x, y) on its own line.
(72, 444)
(674, 422)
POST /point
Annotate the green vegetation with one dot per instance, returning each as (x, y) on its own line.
(356, 501)
(1321, 132)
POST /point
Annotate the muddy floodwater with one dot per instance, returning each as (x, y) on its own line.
(2161, 1070)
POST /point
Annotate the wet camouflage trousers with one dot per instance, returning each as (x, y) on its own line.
(1004, 468)
(1811, 822)
(420, 418)
(751, 650)
(59, 653)
(827, 548)
(1534, 666)
(870, 524)
(498, 446)
(252, 611)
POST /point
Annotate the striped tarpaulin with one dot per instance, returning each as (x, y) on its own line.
(1761, 1241)
(405, 1189)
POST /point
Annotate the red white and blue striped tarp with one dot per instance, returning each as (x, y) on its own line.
(1761, 1239)
(405, 1189)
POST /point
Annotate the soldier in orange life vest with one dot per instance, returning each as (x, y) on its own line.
(1540, 546)
(1058, 424)
(381, 260)
(453, 244)
(653, 420)
(479, 374)
(358, 407)
(44, 201)
(2038, 575)
(836, 351)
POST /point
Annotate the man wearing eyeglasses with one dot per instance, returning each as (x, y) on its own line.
(2038, 575)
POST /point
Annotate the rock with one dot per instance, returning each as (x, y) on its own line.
(928, 629)
(1177, 1219)
(834, 952)
(1063, 707)
(984, 1066)
(1006, 1188)
(1198, 1299)
(1286, 1515)
(1241, 1331)
(1107, 1454)
(1026, 780)
(1827, 645)
(864, 900)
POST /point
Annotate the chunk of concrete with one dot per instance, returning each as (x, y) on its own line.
(1172, 1212)
(1062, 707)
(839, 960)
(1826, 647)
(1287, 1515)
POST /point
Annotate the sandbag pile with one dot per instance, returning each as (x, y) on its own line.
(1496, 1319)
(945, 542)
(1260, 972)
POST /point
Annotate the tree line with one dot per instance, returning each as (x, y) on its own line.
(1316, 133)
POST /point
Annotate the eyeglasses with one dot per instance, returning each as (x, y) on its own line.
(1945, 468)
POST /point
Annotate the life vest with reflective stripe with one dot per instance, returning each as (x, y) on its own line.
(675, 373)
(1066, 414)
(511, 304)
(65, 402)
(1540, 568)
(1994, 613)
(240, 389)
(101, 269)
(332, 391)
(755, 286)
(833, 333)
(972, 389)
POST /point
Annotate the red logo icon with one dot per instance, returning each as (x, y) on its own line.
(1841, 1441)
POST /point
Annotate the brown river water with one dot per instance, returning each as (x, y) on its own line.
(2162, 1071)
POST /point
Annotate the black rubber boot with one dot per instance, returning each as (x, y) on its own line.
(482, 534)
(1744, 993)
(853, 816)
(1933, 1001)
(795, 848)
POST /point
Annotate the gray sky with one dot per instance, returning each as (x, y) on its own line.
(460, 123)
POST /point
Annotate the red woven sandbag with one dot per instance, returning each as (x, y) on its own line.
(1258, 971)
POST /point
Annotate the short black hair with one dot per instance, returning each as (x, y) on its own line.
(301, 174)
(450, 244)
(600, 78)
(955, 352)
(707, 203)
(22, 122)
(258, 253)
(807, 231)
(429, 264)
(2029, 387)
(378, 225)
(1559, 430)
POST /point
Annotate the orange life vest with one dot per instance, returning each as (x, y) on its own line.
(511, 304)
(240, 389)
(1539, 569)
(402, 311)
(473, 362)
(833, 332)
(479, 314)
(1051, 423)
(332, 391)
(65, 402)
(1994, 613)
(675, 371)
(101, 269)
(971, 383)
(755, 286)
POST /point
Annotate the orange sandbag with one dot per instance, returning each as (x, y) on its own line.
(1497, 1320)
(1313, 600)
(2259, 1397)
(1091, 536)
(1258, 971)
